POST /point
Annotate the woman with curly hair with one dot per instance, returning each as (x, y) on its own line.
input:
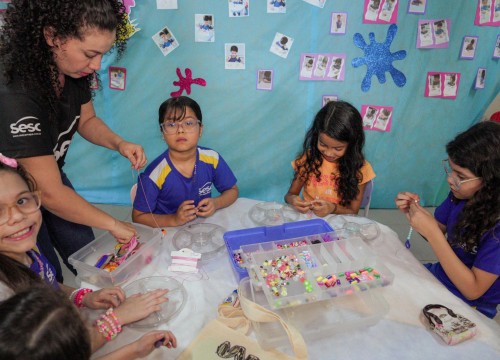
(49, 53)
(469, 256)
(331, 170)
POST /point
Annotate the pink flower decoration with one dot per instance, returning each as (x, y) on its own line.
(184, 83)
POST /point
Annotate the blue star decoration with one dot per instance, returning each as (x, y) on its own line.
(378, 59)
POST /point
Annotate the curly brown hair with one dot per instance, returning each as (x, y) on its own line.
(24, 51)
(478, 149)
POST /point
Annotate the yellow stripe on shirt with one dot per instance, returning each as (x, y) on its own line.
(160, 173)
(209, 157)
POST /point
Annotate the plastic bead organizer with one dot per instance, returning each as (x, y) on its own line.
(308, 273)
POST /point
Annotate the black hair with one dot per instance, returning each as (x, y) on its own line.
(24, 50)
(478, 150)
(41, 324)
(340, 121)
(234, 48)
(207, 18)
(283, 40)
(176, 107)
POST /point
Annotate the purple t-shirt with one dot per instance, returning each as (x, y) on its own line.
(43, 268)
(486, 257)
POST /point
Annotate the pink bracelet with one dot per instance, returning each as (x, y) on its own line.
(111, 324)
(111, 313)
(78, 299)
(103, 329)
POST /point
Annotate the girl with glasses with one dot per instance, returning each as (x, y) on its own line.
(23, 266)
(464, 232)
(177, 186)
(331, 171)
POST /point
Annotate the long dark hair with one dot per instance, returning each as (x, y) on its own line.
(25, 52)
(341, 121)
(42, 324)
(478, 150)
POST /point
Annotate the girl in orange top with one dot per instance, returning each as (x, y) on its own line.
(331, 170)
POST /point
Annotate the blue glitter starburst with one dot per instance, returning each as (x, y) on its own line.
(378, 59)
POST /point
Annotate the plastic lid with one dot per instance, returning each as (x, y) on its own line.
(176, 299)
(272, 213)
(353, 224)
(204, 238)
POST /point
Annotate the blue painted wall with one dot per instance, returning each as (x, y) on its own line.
(260, 132)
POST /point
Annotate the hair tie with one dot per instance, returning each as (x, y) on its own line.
(8, 161)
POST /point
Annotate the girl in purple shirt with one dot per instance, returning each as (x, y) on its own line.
(469, 254)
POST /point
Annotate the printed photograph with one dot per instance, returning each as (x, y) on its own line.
(204, 28)
(235, 56)
(281, 45)
(469, 45)
(239, 8)
(165, 41)
(338, 23)
(265, 79)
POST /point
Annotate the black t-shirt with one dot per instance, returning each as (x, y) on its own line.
(25, 127)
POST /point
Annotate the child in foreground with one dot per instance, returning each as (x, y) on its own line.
(22, 266)
(41, 324)
(177, 186)
(331, 170)
(464, 232)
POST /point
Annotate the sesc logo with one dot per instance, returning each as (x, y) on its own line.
(26, 126)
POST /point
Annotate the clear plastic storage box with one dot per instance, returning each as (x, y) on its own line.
(84, 260)
(317, 320)
(236, 239)
(297, 271)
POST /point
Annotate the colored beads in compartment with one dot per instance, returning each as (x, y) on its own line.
(292, 244)
(238, 259)
(308, 259)
(364, 275)
(278, 272)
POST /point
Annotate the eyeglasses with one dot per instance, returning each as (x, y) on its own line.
(26, 203)
(188, 125)
(456, 182)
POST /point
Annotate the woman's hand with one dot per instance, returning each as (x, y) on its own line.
(139, 306)
(133, 152)
(404, 199)
(104, 298)
(123, 231)
(206, 207)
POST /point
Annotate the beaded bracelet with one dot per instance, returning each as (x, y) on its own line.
(112, 314)
(78, 297)
(103, 329)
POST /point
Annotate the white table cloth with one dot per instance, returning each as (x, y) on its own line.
(400, 334)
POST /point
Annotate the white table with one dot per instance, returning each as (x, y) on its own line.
(400, 334)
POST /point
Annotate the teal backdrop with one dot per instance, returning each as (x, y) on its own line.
(260, 132)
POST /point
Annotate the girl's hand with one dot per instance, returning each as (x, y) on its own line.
(133, 152)
(139, 306)
(300, 205)
(206, 207)
(422, 221)
(104, 298)
(322, 208)
(123, 231)
(152, 340)
(404, 199)
(185, 213)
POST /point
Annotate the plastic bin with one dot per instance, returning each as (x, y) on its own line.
(234, 240)
(317, 320)
(84, 260)
(313, 272)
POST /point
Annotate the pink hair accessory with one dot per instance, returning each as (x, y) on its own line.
(8, 161)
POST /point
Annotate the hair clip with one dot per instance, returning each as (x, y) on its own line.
(8, 161)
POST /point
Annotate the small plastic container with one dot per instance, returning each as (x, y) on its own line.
(288, 232)
(84, 260)
(319, 319)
